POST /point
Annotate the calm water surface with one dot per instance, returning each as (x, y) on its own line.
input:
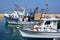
(9, 32)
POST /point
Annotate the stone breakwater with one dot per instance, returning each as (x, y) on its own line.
(1, 16)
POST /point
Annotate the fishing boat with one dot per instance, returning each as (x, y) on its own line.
(15, 13)
(15, 17)
(46, 28)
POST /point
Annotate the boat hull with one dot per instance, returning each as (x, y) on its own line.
(30, 34)
(13, 23)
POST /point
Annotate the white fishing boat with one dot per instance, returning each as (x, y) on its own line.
(47, 28)
(15, 17)
(15, 13)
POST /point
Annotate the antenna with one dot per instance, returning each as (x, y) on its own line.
(16, 7)
(46, 11)
(36, 9)
(42, 10)
(5, 10)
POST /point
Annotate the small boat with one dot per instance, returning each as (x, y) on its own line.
(46, 28)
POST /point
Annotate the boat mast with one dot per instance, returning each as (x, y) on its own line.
(46, 11)
(36, 9)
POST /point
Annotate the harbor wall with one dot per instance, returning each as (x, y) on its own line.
(1, 16)
(39, 16)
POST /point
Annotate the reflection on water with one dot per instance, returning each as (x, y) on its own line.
(9, 32)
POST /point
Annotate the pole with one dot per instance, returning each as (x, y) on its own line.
(46, 11)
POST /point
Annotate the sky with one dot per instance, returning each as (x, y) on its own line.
(8, 5)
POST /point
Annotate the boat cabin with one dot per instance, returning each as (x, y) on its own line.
(49, 24)
(44, 25)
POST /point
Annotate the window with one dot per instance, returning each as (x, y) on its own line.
(47, 22)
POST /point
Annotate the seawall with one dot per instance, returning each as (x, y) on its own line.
(1, 16)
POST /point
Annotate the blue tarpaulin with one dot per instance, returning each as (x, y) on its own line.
(31, 13)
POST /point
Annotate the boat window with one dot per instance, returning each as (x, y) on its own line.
(47, 22)
(40, 22)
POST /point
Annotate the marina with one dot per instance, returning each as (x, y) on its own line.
(41, 27)
(29, 20)
(35, 26)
